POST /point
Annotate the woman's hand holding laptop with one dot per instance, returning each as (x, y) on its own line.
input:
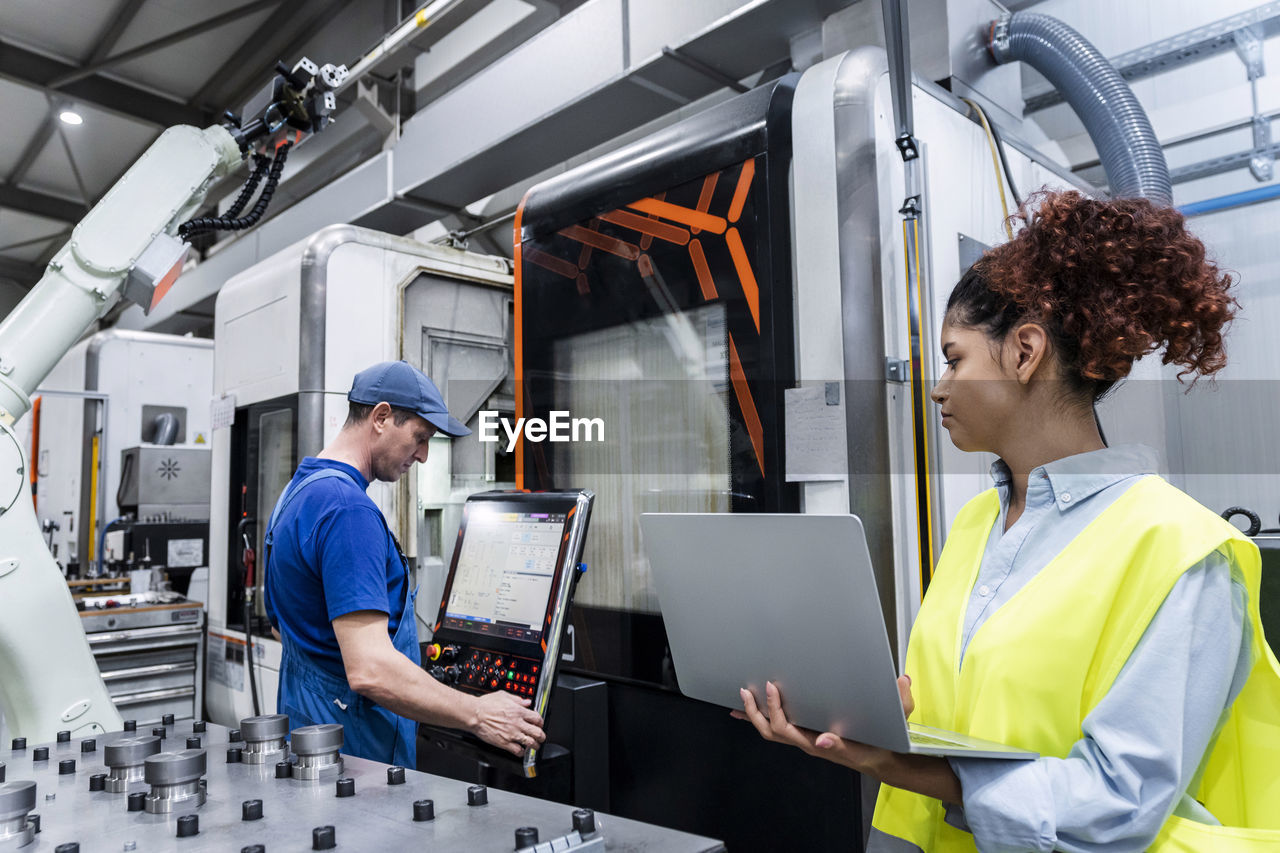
(926, 775)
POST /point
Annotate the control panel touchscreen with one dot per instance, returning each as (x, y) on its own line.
(506, 571)
(507, 597)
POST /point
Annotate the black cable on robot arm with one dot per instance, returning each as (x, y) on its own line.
(268, 190)
(211, 223)
(260, 166)
(229, 221)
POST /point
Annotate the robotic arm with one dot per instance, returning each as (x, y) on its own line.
(132, 244)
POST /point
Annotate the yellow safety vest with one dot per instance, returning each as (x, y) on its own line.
(1036, 668)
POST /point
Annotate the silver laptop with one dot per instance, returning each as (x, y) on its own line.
(790, 599)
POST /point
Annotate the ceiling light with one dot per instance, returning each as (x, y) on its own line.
(70, 117)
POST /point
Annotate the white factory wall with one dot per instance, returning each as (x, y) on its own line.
(1221, 449)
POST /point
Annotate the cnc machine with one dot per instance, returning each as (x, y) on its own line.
(290, 333)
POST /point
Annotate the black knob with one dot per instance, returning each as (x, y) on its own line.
(198, 727)
(251, 810)
(451, 674)
(137, 801)
(130, 725)
(188, 825)
(34, 820)
(322, 838)
(88, 745)
(69, 847)
(346, 787)
(97, 782)
(167, 719)
(19, 743)
(282, 769)
(66, 767)
(41, 753)
(160, 732)
(233, 755)
(584, 821)
(477, 795)
(234, 735)
(395, 775)
(253, 848)
(526, 837)
(424, 810)
(64, 736)
(193, 743)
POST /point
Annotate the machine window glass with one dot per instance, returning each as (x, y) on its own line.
(667, 447)
(276, 465)
(263, 459)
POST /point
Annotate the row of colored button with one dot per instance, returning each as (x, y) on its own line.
(517, 688)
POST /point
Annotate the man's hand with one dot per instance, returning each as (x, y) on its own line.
(507, 722)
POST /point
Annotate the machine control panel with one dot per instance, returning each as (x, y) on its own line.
(483, 671)
(507, 597)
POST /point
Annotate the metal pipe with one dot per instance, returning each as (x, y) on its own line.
(408, 30)
(1117, 124)
(1232, 200)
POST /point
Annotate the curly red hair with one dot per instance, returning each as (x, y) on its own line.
(1112, 280)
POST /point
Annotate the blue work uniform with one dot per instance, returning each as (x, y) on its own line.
(330, 552)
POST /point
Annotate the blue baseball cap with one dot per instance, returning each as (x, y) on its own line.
(404, 386)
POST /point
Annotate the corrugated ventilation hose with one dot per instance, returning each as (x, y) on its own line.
(1117, 124)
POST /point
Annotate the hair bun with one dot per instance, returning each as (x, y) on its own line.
(1114, 280)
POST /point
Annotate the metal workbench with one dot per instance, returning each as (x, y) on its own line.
(379, 815)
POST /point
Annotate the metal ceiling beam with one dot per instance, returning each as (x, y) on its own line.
(1175, 51)
(242, 59)
(254, 75)
(34, 241)
(48, 206)
(75, 168)
(34, 147)
(21, 272)
(120, 21)
(32, 69)
(165, 41)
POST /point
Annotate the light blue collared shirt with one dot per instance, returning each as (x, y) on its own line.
(1144, 744)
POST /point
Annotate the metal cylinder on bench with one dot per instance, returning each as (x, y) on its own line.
(125, 760)
(174, 778)
(317, 749)
(264, 738)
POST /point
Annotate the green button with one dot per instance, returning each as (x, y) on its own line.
(511, 675)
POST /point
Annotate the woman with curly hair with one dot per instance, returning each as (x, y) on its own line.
(1083, 608)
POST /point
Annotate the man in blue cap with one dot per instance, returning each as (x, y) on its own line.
(340, 593)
